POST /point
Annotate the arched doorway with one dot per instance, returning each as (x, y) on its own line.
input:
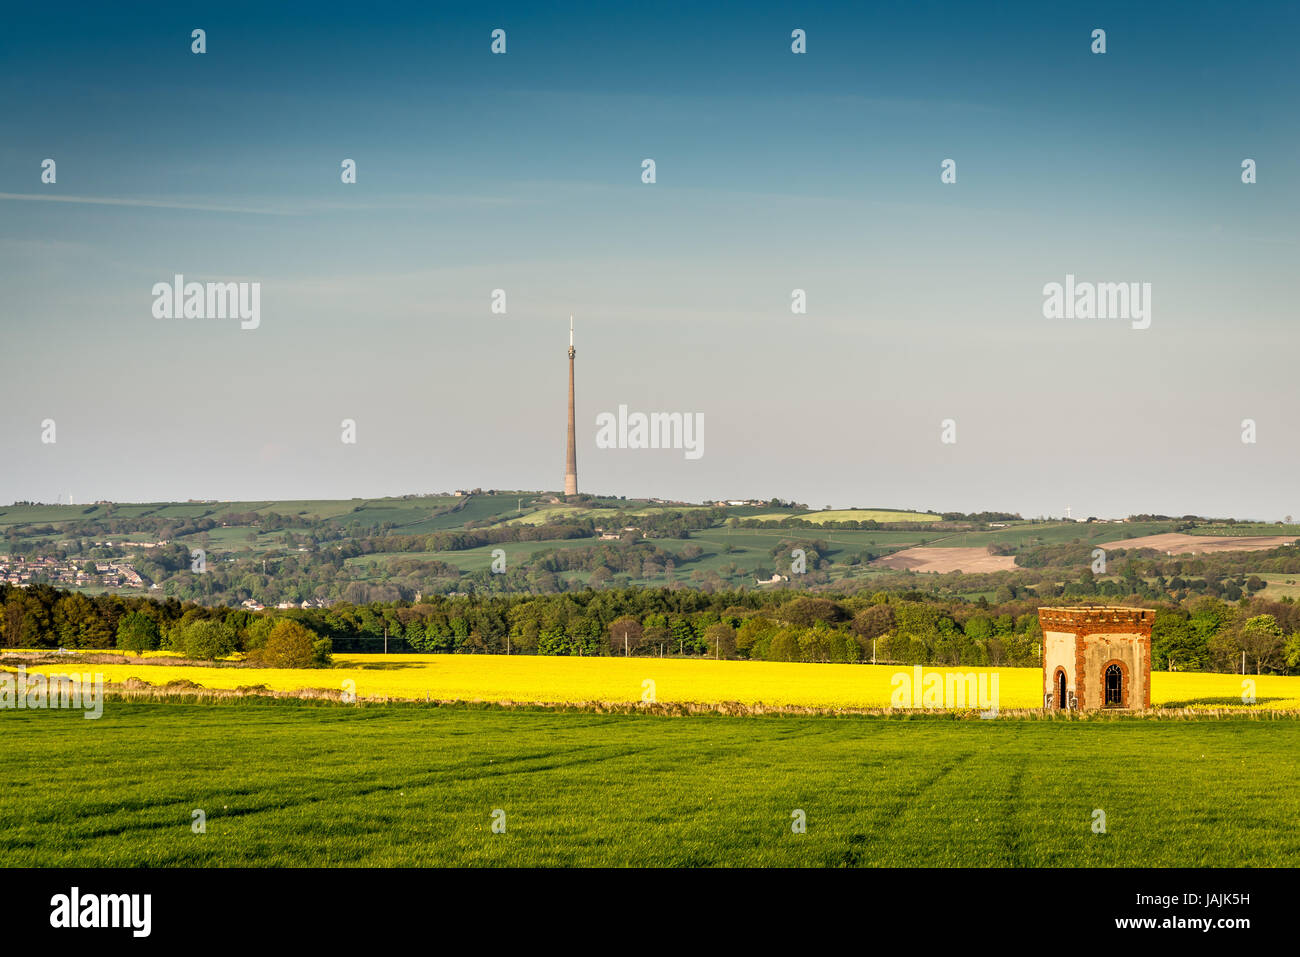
(1061, 701)
(1114, 686)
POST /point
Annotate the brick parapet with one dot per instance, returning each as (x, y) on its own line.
(1098, 620)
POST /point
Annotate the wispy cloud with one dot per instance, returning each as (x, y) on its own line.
(150, 203)
(298, 208)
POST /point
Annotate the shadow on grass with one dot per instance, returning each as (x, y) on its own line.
(378, 665)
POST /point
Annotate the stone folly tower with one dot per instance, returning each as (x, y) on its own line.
(571, 455)
(1096, 657)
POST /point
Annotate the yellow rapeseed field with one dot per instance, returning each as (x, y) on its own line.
(523, 678)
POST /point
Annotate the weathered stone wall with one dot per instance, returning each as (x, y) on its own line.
(1131, 653)
(1058, 652)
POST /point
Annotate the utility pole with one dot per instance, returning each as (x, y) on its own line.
(873, 651)
(1243, 662)
(385, 638)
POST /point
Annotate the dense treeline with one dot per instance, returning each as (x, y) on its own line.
(981, 517)
(44, 617)
(870, 525)
(1204, 634)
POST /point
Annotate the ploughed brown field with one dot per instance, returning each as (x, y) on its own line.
(1176, 543)
(922, 559)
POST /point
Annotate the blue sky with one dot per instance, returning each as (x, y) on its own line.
(775, 171)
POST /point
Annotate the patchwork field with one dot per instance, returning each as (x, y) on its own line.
(723, 548)
(947, 560)
(264, 546)
(1177, 543)
(1024, 534)
(291, 783)
(958, 552)
(563, 680)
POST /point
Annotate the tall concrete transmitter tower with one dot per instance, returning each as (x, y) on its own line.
(571, 454)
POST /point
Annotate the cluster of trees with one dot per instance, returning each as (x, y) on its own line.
(1208, 634)
(846, 525)
(981, 518)
(1132, 582)
(265, 640)
(820, 630)
(44, 617)
(948, 519)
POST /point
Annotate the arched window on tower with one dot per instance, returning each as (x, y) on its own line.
(1114, 686)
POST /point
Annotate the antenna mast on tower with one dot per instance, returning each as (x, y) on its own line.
(571, 452)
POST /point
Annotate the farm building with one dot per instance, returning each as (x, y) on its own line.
(1096, 657)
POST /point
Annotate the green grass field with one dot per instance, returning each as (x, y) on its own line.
(295, 783)
(1281, 585)
(1246, 529)
(1049, 533)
